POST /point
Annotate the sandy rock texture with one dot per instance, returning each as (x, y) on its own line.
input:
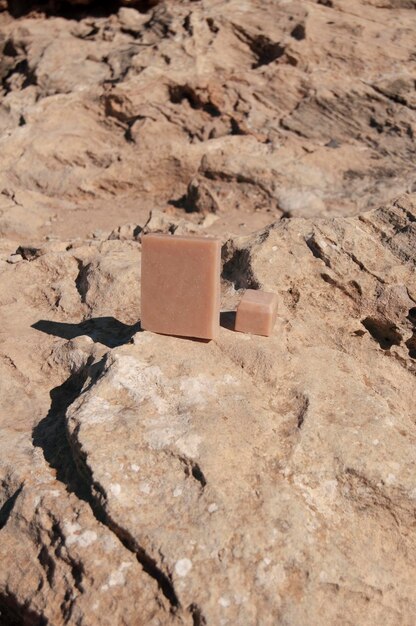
(245, 481)
(154, 481)
(275, 108)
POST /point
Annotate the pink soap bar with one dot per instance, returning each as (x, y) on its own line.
(256, 313)
(180, 285)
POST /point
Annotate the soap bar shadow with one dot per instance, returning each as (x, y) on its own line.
(197, 339)
(111, 332)
(106, 330)
(227, 320)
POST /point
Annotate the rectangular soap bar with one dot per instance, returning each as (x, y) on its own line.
(256, 313)
(180, 285)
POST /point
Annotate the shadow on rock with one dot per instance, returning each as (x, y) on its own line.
(106, 330)
(50, 435)
(227, 319)
(75, 10)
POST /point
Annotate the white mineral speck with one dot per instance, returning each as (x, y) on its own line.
(189, 444)
(183, 567)
(109, 543)
(212, 507)
(14, 258)
(83, 539)
(177, 492)
(87, 538)
(117, 577)
(115, 489)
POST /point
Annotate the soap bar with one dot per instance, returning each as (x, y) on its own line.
(256, 313)
(180, 285)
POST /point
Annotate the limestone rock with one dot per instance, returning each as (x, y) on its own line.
(308, 113)
(155, 481)
(280, 468)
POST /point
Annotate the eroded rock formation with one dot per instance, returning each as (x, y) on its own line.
(154, 480)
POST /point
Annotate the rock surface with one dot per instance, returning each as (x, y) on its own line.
(207, 106)
(150, 480)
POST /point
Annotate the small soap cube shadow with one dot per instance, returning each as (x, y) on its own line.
(227, 319)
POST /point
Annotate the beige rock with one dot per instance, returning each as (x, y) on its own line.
(131, 19)
(14, 258)
(279, 519)
(148, 480)
(281, 468)
(309, 113)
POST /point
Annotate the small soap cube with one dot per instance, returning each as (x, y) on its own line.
(256, 313)
(180, 285)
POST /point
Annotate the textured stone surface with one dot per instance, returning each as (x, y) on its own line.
(149, 480)
(280, 469)
(211, 107)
